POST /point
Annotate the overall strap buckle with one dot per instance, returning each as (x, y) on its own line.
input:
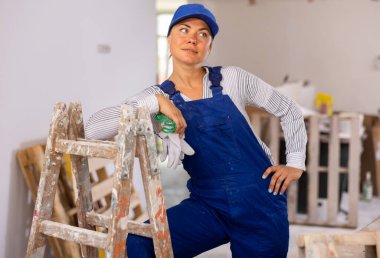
(215, 77)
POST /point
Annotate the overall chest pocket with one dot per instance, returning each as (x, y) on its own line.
(217, 141)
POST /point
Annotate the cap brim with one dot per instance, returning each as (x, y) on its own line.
(211, 24)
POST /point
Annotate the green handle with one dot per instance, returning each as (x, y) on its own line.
(168, 125)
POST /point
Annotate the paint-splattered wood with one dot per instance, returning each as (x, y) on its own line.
(140, 228)
(134, 227)
(105, 149)
(333, 171)
(126, 142)
(79, 166)
(48, 181)
(374, 226)
(80, 235)
(145, 128)
(97, 219)
(147, 153)
(31, 162)
(342, 245)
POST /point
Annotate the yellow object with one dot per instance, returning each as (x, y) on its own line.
(324, 103)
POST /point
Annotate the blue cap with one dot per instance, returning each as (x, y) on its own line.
(195, 11)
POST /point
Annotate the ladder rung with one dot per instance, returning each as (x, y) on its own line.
(97, 219)
(71, 233)
(99, 149)
(137, 228)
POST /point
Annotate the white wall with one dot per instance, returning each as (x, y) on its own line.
(48, 53)
(332, 43)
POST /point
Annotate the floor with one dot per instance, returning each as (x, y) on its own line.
(174, 190)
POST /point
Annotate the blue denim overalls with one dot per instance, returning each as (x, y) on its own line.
(229, 201)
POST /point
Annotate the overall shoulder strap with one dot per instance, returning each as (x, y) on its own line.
(169, 88)
(215, 76)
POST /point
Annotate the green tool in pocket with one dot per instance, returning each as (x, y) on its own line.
(168, 125)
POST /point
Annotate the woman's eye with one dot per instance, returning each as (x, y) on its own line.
(203, 34)
(184, 30)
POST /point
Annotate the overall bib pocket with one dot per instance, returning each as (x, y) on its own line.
(218, 133)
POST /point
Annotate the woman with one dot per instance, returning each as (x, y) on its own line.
(237, 194)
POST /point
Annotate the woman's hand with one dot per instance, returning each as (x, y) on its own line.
(167, 108)
(281, 174)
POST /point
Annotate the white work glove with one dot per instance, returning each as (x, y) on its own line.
(174, 148)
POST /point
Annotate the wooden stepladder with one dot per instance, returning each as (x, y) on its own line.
(135, 138)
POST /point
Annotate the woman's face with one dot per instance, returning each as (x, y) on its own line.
(190, 41)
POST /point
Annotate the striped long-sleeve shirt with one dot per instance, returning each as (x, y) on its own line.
(244, 89)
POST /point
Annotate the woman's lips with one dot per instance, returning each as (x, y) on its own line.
(190, 50)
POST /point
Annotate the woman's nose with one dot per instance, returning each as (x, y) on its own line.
(192, 39)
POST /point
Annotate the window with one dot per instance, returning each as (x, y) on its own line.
(165, 11)
(163, 66)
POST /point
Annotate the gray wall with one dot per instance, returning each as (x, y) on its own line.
(332, 43)
(48, 53)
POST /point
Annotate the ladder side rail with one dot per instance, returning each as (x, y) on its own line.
(122, 186)
(147, 153)
(82, 185)
(48, 181)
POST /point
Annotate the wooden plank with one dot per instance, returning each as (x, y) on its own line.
(88, 148)
(337, 245)
(32, 170)
(292, 201)
(136, 206)
(103, 176)
(147, 153)
(80, 235)
(256, 123)
(139, 228)
(312, 169)
(354, 172)
(126, 142)
(49, 177)
(340, 169)
(355, 238)
(28, 160)
(274, 145)
(304, 221)
(333, 173)
(378, 243)
(375, 131)
(373, 226)
(134, 227)
(97, 219)
(79, 167)
(102, 189)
